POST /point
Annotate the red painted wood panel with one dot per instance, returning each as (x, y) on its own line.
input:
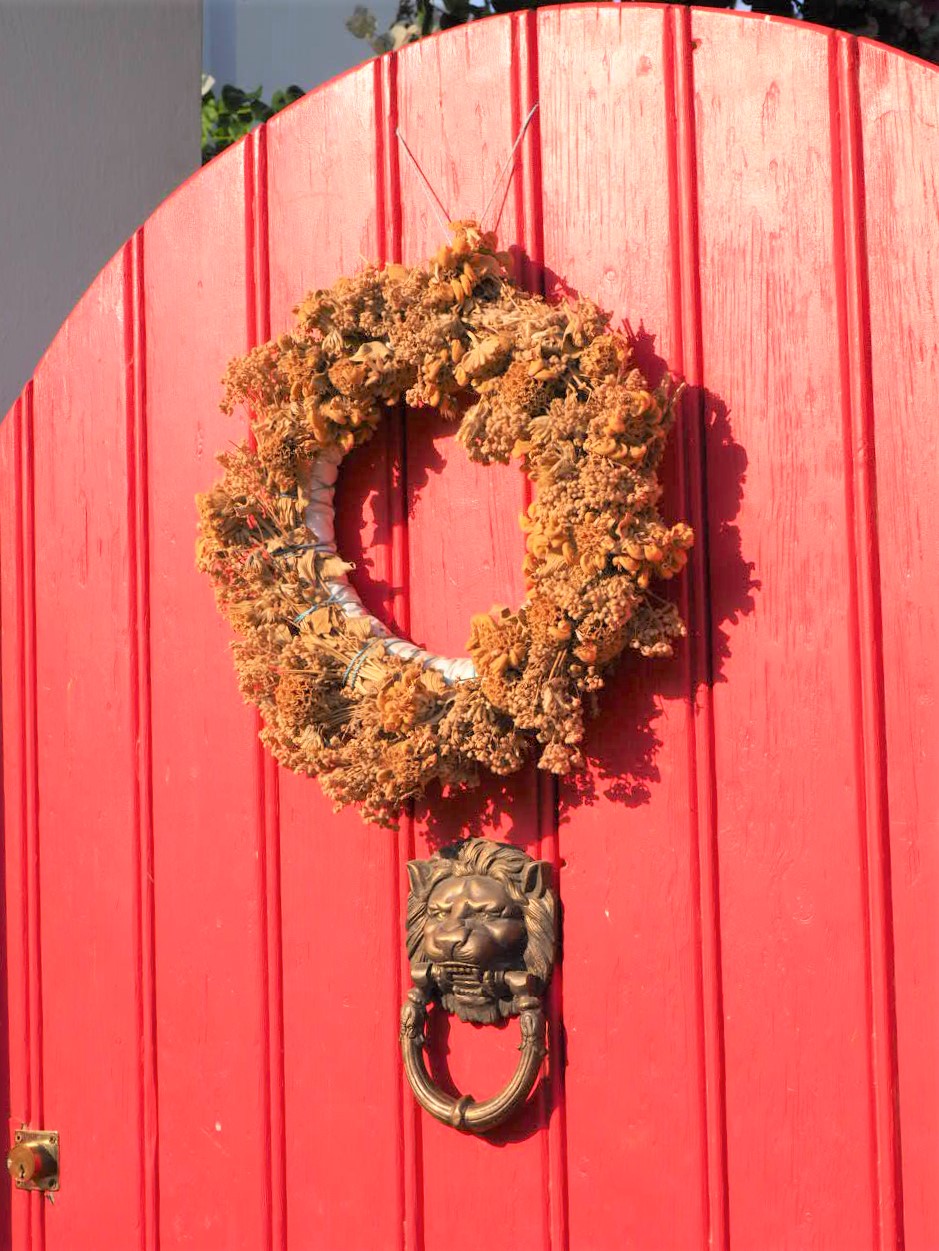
(455, 506)
(86, 744)
(632, 1002)
(21, 1042)
(800, 1141)
(463, 553)
(339, 895)
(899, 125)
(750, 867)
(209, 806)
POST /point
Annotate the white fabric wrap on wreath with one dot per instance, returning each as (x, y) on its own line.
(320, 519)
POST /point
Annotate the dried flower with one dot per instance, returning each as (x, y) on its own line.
(554, 386)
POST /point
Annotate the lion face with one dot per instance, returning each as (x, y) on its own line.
(481, 927)
(472, 920)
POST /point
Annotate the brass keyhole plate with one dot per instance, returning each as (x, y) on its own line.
(33, 1160)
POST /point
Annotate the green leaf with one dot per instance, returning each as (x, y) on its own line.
(280, 99)
(232, 97)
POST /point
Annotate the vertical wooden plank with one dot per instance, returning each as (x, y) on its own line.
(268, 854)
(801, 1152)
(391, 146)
(13, 734)
(139, 574)
(857, 403)
(459, 110)
(699, 411)
(635, 1115)
(462, 517)
(212, 1011)
(88, 868)
(899, 121)
(31, 782)
(526, 188)
(341, 932)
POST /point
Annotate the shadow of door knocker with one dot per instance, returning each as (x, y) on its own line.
(481, 937)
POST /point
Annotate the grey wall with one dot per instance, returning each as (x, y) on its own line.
(273, 43)
(99, 121)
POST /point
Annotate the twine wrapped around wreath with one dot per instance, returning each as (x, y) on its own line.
(376, 718)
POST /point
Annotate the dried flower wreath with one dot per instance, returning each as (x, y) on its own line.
(376, 718)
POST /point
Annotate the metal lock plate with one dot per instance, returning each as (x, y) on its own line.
(33, 1160)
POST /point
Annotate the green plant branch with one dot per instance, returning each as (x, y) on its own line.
(233, 113)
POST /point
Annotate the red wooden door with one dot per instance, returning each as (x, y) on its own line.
(745, 1025)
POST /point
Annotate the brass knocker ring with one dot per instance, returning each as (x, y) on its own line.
(481, 937)
(464, 1112)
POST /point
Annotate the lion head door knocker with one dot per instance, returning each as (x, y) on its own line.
(481, 937)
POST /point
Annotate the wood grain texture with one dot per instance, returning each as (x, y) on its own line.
(138, 511)
(464, 553)
(340, 894)
(743, 1031)
(17, 644)
(457, 508)
(268, 773)
(801, 1149)
(636, 1172)
(86, 742)
(861, 494)
(899, 117)
(212, 1051)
